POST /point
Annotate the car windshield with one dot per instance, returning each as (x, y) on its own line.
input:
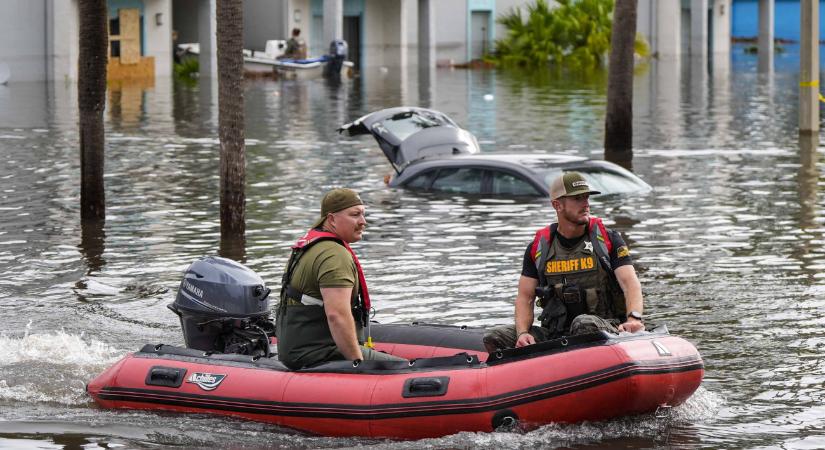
(604, 181)
(406, 124)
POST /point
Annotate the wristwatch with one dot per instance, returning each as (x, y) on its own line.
(635, 314)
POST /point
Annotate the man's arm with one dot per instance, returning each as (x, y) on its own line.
(525, 301)
(629, 282)
(341, 322)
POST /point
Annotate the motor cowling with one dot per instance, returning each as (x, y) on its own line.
(223, 307)
(338, 50)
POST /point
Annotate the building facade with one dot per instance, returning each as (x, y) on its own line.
(39, 38)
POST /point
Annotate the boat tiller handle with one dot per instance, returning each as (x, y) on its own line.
(425, 387)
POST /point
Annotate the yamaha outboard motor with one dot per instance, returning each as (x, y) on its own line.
(337, 54)
(224, 307)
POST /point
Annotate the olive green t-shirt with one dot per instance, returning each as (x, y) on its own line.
(326, 264)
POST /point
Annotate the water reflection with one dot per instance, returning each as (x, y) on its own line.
(728, 244)
(126, 102)
(93, 244)
(808, 178)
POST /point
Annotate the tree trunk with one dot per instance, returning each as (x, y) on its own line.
(618, 129)
(231, 122)
(91, 99)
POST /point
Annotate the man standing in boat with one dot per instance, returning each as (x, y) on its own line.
(581, 272)
(325, 303)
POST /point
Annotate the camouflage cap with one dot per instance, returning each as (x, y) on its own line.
(569, 184)
(337, 200)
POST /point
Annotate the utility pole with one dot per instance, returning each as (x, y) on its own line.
(809, 67)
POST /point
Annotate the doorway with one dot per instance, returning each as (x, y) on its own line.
(352, 34)
(479, 34)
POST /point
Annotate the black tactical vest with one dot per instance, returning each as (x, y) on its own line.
(579, 278)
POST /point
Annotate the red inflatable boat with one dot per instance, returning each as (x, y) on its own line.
(450, 385)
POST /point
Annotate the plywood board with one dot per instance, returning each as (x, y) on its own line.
(129, 35)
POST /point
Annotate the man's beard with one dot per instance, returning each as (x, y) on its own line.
(576, 218)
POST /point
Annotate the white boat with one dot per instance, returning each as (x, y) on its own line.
(305, 69)
(267, 61)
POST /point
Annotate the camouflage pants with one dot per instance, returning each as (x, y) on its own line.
(505, 336)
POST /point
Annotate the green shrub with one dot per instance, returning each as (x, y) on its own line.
(187, 68)
(574, 34)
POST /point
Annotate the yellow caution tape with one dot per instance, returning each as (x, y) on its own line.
(814, 83)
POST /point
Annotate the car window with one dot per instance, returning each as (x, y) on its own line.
(463, 180)
(509, 184)
(604, 181)
(403, 126)
(421, 181)
(611, 182)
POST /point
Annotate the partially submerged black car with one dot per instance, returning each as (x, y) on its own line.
(430, 152)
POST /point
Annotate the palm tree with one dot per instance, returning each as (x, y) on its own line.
(91, 99)
(618, 124)
(231, 125)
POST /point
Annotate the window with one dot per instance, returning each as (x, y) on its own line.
(611, 183)
(422, 181)
(404, 125)
(604, 181)
(508, 184)
(463, 181)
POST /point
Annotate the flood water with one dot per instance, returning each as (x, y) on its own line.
(729, 245)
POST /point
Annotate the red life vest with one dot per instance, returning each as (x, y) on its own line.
(598, 233)
(314, 235)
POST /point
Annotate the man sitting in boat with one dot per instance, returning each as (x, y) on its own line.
(325, 303)
(295, 47)
(581, 272)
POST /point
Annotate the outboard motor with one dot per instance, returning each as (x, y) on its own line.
(338, 50)
(224, 307)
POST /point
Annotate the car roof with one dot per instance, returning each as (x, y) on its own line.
(535, 162)
(535, 166)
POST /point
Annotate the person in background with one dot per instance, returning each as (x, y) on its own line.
(325, 304)
(295, 47)
(581, 272)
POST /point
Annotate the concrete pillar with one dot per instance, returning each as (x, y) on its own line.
(62, 40)
(809, 66)
(668, 14)
(333, 21)
(401, 39)
(666, 95)
(157, 21)
(766, 20)
(698, 27)
(207, 38)
(426, 33)
(721, 23)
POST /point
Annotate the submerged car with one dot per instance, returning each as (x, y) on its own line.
(430, 152)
